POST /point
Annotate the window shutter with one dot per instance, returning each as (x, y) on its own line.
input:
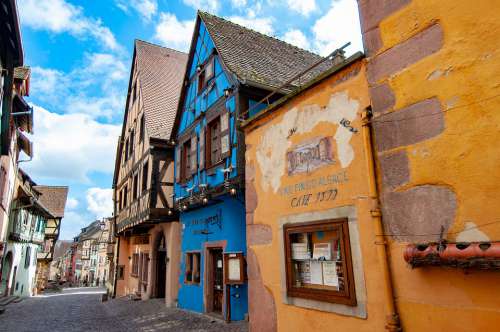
(194, 160)
(201, 161)
(178, 164)
(225, 142)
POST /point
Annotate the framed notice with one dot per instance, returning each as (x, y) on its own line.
(234, 273)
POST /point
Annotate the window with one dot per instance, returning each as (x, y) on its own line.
(192, 268)
(120, 272)
(3, 182)
(135, 265)
(131, 152)
(125, 152)
(144, 268)
(186, 160)
(134, 93)
(143, 128)
(213, 142)
(27, 257)
(145, 171)
(120, 201)
(135, 187)
(205, 74)
(125, 194)
(318, 259)
(201, 81)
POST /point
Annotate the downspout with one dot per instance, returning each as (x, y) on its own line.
(392, 318)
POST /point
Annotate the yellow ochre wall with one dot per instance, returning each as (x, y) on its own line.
(313, 113)
(438, 62)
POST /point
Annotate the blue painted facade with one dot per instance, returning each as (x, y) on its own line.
(220, 219)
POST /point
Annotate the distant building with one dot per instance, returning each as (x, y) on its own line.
(54, 198)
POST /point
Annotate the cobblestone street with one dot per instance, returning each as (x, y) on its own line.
(80, 309)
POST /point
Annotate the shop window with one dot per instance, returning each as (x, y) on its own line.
(145, 171)
(318, 262)
(192, 268)
(135, 265)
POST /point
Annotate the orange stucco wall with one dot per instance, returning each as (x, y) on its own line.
(462, 74)
(129, 284)
(315, 112)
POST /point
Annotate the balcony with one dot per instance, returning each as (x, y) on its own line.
(20, 232)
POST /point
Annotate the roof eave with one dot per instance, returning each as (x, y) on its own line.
(268, 110)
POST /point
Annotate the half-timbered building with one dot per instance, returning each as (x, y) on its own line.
(232, 72)
(146, 224)
(54, 198)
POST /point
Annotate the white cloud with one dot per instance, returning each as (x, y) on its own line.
(337, 27)
(147, 8)
(100, 202)
(263, 24)
(303, 7)
(208, 5)
(58, 16)
(297, 38)
(71, 225)
(68, 147)
(96, 87)
(238, 3)
(174, 33)
(71, 203)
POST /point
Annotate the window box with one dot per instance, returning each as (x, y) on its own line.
(318, 262)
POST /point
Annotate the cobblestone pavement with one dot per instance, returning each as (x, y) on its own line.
(81, 309)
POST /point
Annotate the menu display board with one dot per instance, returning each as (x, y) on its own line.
(319, 262)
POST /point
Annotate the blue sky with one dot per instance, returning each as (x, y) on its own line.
(80, 54)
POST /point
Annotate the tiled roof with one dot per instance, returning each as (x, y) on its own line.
(53, 198)
(257, 59)
(160, 72)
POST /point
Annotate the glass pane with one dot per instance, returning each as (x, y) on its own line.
(317, 260)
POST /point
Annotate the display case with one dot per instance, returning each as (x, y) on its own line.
(318, 261)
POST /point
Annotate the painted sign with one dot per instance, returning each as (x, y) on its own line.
(310, 155)
(213, 220)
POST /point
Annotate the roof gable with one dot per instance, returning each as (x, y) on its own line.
(53, 198)
(160, 71)
(257, 59)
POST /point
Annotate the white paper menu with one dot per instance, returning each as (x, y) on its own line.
(316, 273)
(330, 277)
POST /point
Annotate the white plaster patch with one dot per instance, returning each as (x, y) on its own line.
(450, 103)
(274, 143)
(472, 234)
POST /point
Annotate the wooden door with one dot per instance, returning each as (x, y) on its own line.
(218, 280)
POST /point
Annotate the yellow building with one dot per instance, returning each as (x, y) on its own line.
(433, 71)
(312, 261)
